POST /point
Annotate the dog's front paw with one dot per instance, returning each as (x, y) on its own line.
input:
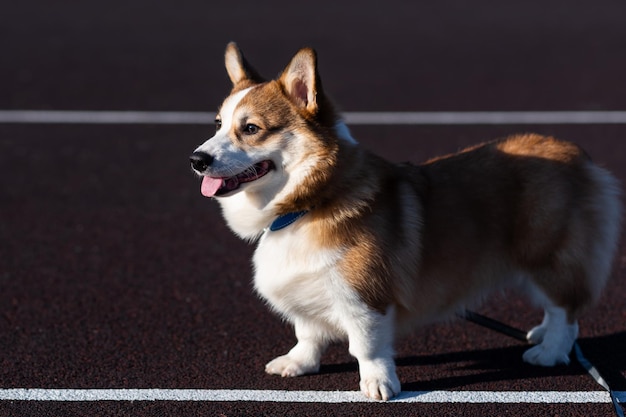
(287, 366)
(379, 382)
(381, 389)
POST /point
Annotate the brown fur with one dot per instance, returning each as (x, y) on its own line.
(519, 205)
(373, 247)
(432, 237)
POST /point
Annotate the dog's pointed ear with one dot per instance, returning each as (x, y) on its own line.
(300, 80)
(238, 68)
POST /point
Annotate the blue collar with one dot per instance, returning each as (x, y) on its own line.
(285, 220)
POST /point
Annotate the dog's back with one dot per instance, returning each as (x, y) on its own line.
(526, 210)
(525, 206)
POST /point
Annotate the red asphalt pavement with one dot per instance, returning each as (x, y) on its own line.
(116, 273)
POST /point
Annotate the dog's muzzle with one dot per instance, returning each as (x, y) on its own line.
(200, 161)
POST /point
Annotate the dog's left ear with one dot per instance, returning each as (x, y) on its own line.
(301, 80)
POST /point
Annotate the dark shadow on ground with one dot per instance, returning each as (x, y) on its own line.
(606, 353)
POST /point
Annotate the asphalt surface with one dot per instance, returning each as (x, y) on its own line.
(116, 273)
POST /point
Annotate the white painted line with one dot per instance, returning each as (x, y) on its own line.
(217, 395)
(105, 117)
(352, 118)
(486, 118)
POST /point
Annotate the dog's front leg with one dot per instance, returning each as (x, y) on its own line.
(304, 357)
(371, 340)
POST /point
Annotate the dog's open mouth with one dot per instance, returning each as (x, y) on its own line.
(223, 185)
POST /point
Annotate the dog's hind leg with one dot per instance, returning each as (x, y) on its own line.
(573, 276)
(554, 337)
(563, 292)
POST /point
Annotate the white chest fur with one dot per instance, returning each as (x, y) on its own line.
(299, 280)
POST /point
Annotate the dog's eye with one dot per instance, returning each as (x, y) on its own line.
(218, 124)
(250, 129)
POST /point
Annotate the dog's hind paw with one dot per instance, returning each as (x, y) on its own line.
(543, 355)
(287, 366)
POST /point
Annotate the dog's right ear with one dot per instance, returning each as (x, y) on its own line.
(239, 70)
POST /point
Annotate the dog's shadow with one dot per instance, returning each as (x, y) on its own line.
(606, 353)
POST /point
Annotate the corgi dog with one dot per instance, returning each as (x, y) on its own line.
(352, 247)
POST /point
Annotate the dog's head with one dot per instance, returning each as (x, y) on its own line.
(273, 138)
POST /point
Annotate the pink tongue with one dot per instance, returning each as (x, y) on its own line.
(210, 186)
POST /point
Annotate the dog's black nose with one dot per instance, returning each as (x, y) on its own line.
(200, 161)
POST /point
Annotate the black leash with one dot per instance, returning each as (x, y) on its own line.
(494, 325)
(521, 335)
